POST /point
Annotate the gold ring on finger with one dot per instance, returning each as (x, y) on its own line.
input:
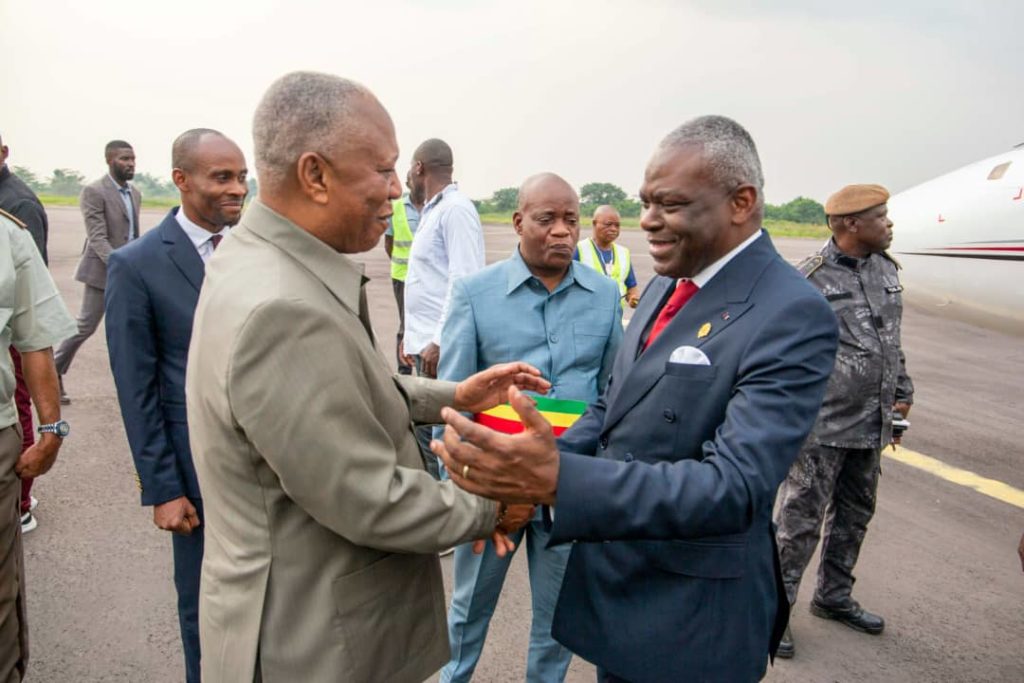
(465, 472)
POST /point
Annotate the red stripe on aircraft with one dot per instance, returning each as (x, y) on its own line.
(982, 248)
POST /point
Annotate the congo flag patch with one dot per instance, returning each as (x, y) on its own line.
(561, 414)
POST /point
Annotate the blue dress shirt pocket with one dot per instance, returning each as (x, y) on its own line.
(589, 340)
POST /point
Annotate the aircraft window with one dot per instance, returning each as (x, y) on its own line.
(999, 171)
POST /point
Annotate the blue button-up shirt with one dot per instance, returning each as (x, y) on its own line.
(126, 198)
(503, 313)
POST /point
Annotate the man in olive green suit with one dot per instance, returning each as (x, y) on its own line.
(322, 526)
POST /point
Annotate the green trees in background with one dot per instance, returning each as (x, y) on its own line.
(150, 186)
(592, 195)
(799, 210)
(66, 182)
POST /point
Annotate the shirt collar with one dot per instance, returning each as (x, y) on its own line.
(836, 255)
(340, 274)
(197, 234)
(702, 278)
(519, 272)
(436, 199)
(127, 185)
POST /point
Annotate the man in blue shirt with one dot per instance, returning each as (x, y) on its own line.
(541, 307)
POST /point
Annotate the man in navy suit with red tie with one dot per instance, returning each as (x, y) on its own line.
(152, 289)
(666, 484)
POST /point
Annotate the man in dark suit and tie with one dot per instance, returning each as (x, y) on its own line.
(667, 483)
(152, 289)
(110, 209)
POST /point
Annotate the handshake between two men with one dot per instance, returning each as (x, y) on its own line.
(517, 470)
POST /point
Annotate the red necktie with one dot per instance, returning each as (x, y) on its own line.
(684, 290)
(215, 240)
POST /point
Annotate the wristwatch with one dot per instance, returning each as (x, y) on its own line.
(61, 428)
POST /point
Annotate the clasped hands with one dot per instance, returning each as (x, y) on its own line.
(519, 470)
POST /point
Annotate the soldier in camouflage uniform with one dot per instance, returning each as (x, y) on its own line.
(836, 474)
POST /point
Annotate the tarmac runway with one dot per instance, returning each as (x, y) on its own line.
(939, 561)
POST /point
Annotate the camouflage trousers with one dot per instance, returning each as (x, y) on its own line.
(838, 485)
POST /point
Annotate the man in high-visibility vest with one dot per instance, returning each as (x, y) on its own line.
(602, 254)
(397, 243)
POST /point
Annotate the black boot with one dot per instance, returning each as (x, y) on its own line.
(851, 614)
(786, 649)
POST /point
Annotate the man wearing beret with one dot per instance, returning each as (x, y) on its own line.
(837, 470)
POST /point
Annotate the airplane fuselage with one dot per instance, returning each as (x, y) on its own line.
(960, 239)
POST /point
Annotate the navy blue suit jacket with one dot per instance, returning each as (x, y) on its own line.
(667, 483)
(152, 288)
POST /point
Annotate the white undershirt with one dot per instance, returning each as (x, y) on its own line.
(200, 236)
(704, 277)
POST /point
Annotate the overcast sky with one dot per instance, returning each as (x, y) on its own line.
(833, 93)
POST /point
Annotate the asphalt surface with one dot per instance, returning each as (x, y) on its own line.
(939, 561)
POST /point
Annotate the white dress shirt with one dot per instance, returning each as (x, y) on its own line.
(704, 276)
(448, 244)
(201, 237)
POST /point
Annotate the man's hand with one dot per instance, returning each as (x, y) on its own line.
(38, 458)
(514, 518)
(428, 360)
(489, 388)
(178, 515)
(406, 360)
(904, 410)
(518, 468)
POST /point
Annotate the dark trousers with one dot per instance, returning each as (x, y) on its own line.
(89, 318)
(399, 288)
(424, 434)
(837, 486)
(605, 677)
(23, 402)
(188, 563)
(13, 620)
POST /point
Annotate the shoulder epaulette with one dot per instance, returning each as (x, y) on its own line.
(810, 264)
(14, 219)
(892, 258)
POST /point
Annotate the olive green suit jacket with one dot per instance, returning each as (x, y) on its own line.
(322, 526)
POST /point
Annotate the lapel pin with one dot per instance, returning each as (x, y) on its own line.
(704, 330)
(725, 315)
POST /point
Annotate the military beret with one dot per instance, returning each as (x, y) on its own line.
(855, 198)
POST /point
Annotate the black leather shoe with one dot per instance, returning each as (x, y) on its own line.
(786, 649)
(853, 615)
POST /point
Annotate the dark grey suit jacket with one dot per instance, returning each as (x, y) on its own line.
(106, 228)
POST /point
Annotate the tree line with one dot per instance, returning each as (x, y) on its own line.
(593, 195)
(67, 182)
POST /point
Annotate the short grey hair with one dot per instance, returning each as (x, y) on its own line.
(729, 151)
(301, 112)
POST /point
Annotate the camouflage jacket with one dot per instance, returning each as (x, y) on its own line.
(870, 372)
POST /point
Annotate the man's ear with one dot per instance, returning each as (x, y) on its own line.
(744, 202)
(311, 170)
(180, 180)
(517, 222)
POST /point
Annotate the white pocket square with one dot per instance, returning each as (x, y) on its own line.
(689, 355)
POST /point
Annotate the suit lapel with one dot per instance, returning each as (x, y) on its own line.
(181, 251)
(717, 305)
